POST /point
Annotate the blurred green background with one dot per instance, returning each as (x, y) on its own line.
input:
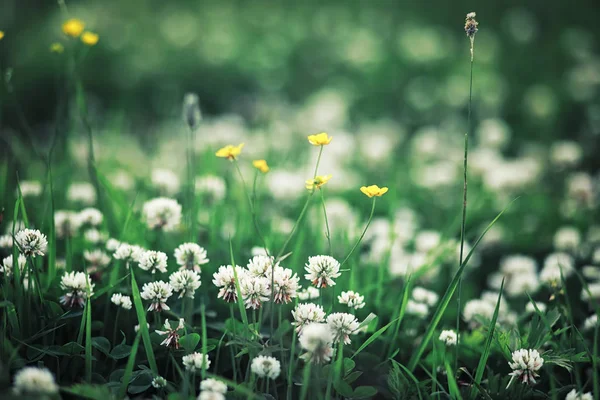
(536, 62)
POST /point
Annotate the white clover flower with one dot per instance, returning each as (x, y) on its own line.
(185, 282)
(31, 242)
(342, 325)
(33, 381)
(418, 309)
(136, 328)
(258, 251)
(520, 273)
(554, 264)
(30, 188)
(567, 238)
(211, 186)
(225, 280)
(94, 236)
(322, 270)
(352, 299)
(422, 295)
(96, 258)
(81, 192)
(153, 261)
(449, 337)
(90, 216)
(478, 307)
(590, 322)
(7, 265)
(196, 361)
(317, 340)
(6, 241)
(121, 301)
(266, 367)
(285, 285)
(208, 395)
(129, 253)
(158, 293)
(75, 285)
(594, 292)
(191, 256)
(306, 313)
(162, 213)
(159, 382)
(172, 339)
(213, 385)
(165, 181)
(427, 241)
(309, 293)
(122, 180)
(261, 266)
(565, 153)
(575, 395)
(255, 291)
(112, 244)
(591, 272)
(66, 223)
(525, 365)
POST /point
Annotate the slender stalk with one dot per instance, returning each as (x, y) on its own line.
(287, 241)
(326, 220)
(191, 185)
(318, 161)
(363, 233)
(305, 380)
(291, 366)
(464, 208)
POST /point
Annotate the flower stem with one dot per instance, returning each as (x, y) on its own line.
(363, 233)
(291, 365)
(326, 220)
(305, 380)
(287, 241)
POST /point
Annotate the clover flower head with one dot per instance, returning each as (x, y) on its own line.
(196, 361)
(321, 270)
(525, 365)
(162, 213)
(172, 339)
(31, 242)
(255, 291)
(159, 382)
(121, 300)
(266, 367)
(6, 268)
(307, 313)
(224, 279)
(352, 299)
(158, 293)
(191, 256)
(449, 337)
(309, 293)
(213, 385)
(316, 339)
(185, 282)
(153, 261)
(285, 285)
(191, 110)
(342, 325)
(75, 285)
(33, 381)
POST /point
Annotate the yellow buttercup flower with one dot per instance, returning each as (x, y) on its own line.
(317, 182)
(373, 191)
(89, 38)
(57, 48)
(261, 165)
(1, 35)
(73, 27)
(229, 151)
(320, 139)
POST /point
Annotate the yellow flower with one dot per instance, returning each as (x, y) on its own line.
(57, 48)
(73, 27)
(261, 165)
(89, 38)
(373, 190)
(317, 182)
(320, 139)
(229, 151)
(1, 34)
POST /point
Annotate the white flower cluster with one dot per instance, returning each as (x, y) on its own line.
(342, 325)
(6, 241)
(321, 270)
(525, 365)
(212, 389)
(191, 256)
(33, 381)
(31, 242)
(172, 339)
(75, 285)
(185, 282)
(420, 302)
(6, 268)
(81, 192)
(30, 188)
(166, 181)
(309, 293)
(266, 367)
(575, 395)
(555, 265)
(352, 299)
(483, 308)
(212, 187)
(307, 313)
(316, 339)
(121, 301)
(158, 293)
(128, 252)
(162, 213)
(153, 261)
(519, 273)
(449, 337)
(195, 361)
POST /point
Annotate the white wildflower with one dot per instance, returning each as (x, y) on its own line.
(185, 282)
(158, 293)
(530, 309)
(285, 285)
(6, 242)
(129, 253)
(75, 285)
(525, 365)
(590, 322)
(81, 192)
(255, 291)
(112, 244)
(342, 325)
(321, 270)
(33, 381)
(31, 242)
(90, 216)
(555, 265)
(317, 340)
(266, 367)
(260, 266)
(172, 339)
(225, 280)
(96, 259)
(213, 385)
(6, 268)
(159, 382)
(422, 295)
(162, 213)
(575, 395)
(449, 337)
(153, 261)
(66, 223)
(30, 188)
(309, 293)
(567, 238)
(592, 292)
(191, 256)
(418, 309)
(307, 313)
(94, 236)
(212, 187)
(208, 395)
(196, 361)
(121, 301)
(165, 181)
(352, 299)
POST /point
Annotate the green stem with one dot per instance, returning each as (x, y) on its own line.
(318, 161)
(326, 220)
(363, 233)
(305, 380)
(291, 366)
(191, 183)
(287, 241)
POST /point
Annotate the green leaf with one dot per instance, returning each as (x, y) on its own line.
(141, 315)
(101, 343)
(129, 366)
(343, 388)
(72, 349)
(349, 365)
(93, 392)
(364, 392)
(189, 342)
(120, 351)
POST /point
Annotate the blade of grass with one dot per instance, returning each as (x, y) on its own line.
(51, 235)
(452, 385)
(411, 376)
(88, 340)
(129, 366)
(401, 313)
(439, 312)
(141, 315)
(488, 345)
(240, 300)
